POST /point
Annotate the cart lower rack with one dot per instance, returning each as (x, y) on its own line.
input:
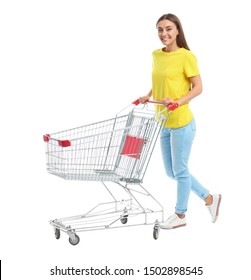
(115, 151)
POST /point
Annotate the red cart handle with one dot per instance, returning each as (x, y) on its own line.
(171, 106)
(136, 102)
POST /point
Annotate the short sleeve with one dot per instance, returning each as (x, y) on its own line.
(191, 65)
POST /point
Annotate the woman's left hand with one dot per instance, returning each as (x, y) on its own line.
(167, 101)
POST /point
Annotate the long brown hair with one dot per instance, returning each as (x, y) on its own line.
(181, 40)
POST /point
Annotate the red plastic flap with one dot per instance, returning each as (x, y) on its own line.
(133, 146)
(46, 137)
(64, 143)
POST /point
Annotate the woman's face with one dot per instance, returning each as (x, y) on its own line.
(167, 32)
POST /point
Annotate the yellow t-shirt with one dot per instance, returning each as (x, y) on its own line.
(170, 78)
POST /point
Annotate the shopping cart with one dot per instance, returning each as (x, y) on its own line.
(116, 151)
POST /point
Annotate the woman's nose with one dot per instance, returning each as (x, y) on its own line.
(164, 32)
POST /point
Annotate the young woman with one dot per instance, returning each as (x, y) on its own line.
(176, 79)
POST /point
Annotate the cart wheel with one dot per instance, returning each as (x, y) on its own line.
(74, 241)
(124, 220)
(57, 233)
(156, 230)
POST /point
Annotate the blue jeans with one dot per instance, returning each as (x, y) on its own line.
(176, 146)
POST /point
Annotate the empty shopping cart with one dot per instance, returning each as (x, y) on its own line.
(116, 151)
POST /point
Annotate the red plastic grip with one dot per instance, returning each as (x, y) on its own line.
(64, 143)
(172, 106)
(46, 137)
(136, 102)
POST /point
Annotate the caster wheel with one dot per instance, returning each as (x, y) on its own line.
(57, 233)
(75, 240)
(156, 231)
(124, 220)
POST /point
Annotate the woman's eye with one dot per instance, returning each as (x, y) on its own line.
(166, 29)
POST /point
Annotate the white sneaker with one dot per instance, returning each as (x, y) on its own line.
(173, 222)
(214, 207)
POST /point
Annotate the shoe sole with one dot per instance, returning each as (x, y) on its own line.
(217, 209)
(182, 225)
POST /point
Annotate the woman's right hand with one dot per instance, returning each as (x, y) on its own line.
(144, 99)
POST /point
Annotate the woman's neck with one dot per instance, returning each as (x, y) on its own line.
(171, 48)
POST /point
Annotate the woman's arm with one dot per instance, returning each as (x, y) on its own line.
(196, 89)
(145, 98)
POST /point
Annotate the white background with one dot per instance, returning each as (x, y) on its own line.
(69, 63)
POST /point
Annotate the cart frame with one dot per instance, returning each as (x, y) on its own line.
(114, 151)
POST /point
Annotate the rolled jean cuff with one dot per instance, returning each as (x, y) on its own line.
(177, 211)
(204, 196)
